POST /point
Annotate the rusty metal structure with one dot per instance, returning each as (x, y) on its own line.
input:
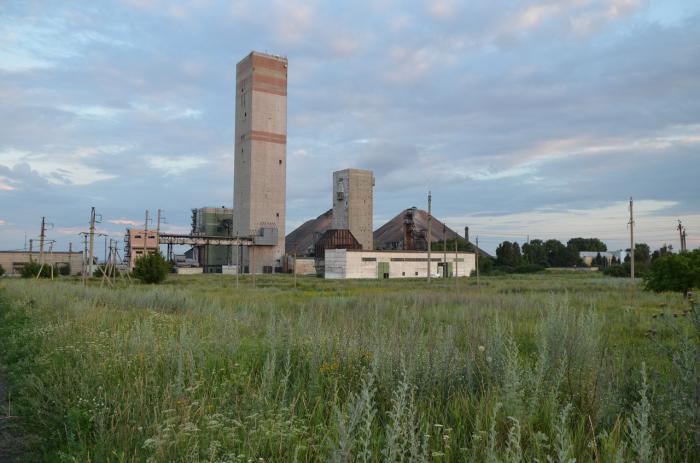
(413, 239)
(333, 239)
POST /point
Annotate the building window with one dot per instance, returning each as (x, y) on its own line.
(369, 259)
(403, 274)
(416, 273)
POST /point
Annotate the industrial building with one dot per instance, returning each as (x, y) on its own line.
(138, 243)
(260, 160)
(352, 204)
(14, 261)
(354, 263)
(212, 221)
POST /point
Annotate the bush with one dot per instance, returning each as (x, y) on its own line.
(151, 268)
(619, 271)
(64, 270)
(31, 270)
(2, 271)
(623, 271)
(674, 272)
(528, 268)
(102, 269)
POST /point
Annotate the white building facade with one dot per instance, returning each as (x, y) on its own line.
(350, 263)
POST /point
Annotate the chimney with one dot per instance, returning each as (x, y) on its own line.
(466, 234)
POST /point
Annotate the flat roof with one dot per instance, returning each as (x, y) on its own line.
(399, 251)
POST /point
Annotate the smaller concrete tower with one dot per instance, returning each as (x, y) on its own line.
(352, 204)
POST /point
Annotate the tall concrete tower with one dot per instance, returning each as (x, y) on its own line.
(352, 204)
(260, 175)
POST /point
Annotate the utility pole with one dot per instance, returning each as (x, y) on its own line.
(444, 250)
(85, 240)
(631, 224)
(106, 248)
(476, 258)
(295, 269)
(70, 248)
(92, 242)
(430, 219)
(42, 235)
(456, 264)
(681, 232)
(145, 233)
(31, 245)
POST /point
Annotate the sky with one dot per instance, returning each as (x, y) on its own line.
(526, 119)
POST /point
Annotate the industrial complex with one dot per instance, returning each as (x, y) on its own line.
(249, 238)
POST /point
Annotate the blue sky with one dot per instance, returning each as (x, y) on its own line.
(527, 118)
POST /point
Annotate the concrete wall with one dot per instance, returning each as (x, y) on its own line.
(343, 263)
(352, 204)
(260, 155)
(188, 270)
(14, 261)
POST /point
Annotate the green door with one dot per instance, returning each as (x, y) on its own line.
(382, 270)
(449, 269)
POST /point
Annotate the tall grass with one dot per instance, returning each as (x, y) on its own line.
(523, 369)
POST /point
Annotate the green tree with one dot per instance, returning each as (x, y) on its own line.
(598, 261)
(485, 265)
(535, 252)
(642, 258)
(151, 268)
(586, 244)
(662, 251)
(674, 272)
(33, 268)
(64, 270)
(2, 271)
(559, 255)
(462, 245)
(508, 254)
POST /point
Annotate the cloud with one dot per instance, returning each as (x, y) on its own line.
(2, 222)
(175, 165)
(55, 170)
(128, 222)
(441, 9)
(500, 109)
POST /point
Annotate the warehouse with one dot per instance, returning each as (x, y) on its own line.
(356, 263)
(14, 261)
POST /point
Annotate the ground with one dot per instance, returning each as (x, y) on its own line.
(203, 368)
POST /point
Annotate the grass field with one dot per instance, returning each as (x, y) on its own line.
(524, 368)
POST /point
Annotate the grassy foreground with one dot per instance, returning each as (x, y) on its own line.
(525, 368)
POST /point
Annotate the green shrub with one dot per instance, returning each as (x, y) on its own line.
(102, 269)
(619, 271)
(674, 272)
(2, 271)
(528, 268)
(64, 270)
(151, 268)
(31, 270)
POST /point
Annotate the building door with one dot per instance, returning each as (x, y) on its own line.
(382, 270)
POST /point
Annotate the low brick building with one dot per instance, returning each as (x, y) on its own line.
(14, 261)
(352, 263)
